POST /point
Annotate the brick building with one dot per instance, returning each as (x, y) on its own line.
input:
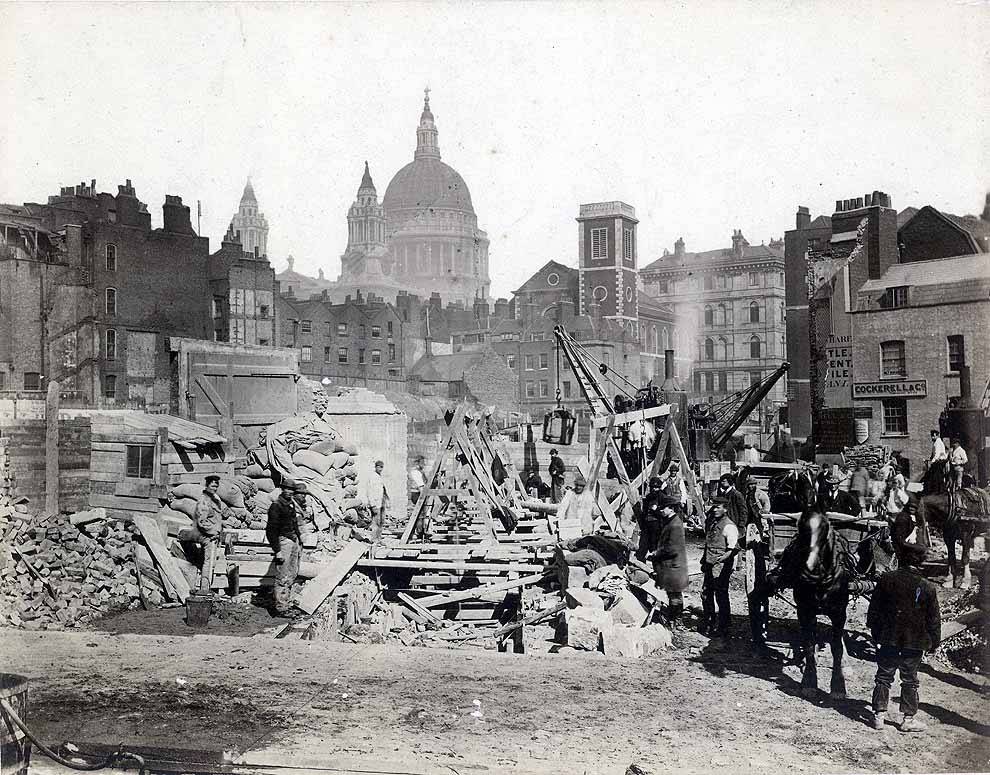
(829, 261)
(475, 373)
(243, 288)
(913, 328)
(359, 342)
(93, 292)
(730, 304)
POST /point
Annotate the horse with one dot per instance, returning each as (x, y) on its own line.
(820, 568)
(961, 516)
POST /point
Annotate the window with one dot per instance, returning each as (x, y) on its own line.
(329, 329)
(709, 350)
(263, 311)
(341, 355)
(709, 381)
(361, 355)
(628, 245)
(363, 331)
(720, 316)
(111, 258)
(376, 332)
(537, 336)
(898, 296)
(236, 301)
(709, 282)
(530, 362)
(663, 286)
(510, 361)
(755, 378)
(755, 347)
(895, 417)
(754, 312)
(754, 279)
(544, 360)
(140, 461)
(111, 302)
(723, 382)
(32, 380)
(530, 389)
(544, 388)
(709, 316)
(110, 386)
(306, 326)
(391, 353)
(553, 279)
(342, 329)
(892, 364)
(306, 354)
(327, 355)
(957, 352)
(376, 356)
(599, 243)
(566, 385)
(388, 328)
(110, 345)
(218, 306)
(697, 382)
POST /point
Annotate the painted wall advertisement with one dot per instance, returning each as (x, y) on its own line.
(839, 371)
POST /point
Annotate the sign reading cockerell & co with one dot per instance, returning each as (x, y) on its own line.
(914, 388)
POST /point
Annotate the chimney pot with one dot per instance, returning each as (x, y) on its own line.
(838, 205)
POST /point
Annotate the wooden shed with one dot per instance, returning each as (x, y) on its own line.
(136, 458)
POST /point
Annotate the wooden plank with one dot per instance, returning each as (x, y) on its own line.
(266, 567)
(153, 538)
(417, 608)
(121, 439)
(480, 592)
(124, 503)
(316, 591)
(248, 536)
(450, 565)
(636, 414)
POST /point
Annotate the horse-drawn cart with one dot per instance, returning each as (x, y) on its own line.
(783, 527)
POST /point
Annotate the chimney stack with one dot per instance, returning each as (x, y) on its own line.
(668, 364)
(803, 218)
(679, 248)
(175, 215)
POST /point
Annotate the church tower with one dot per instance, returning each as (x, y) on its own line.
(607, 262)
(250, 224)
(366, 219)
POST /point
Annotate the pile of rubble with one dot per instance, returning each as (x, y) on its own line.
(56, 574)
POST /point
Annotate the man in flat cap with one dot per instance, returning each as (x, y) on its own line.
(284, 534)
(199, 542)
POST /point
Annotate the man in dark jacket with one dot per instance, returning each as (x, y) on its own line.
(669, 556)
(735, 501)
(285, 537)
(904, 620)
(556, 470)
(831, 498)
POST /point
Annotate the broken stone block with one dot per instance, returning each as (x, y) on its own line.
(584, 627)
(636, 642)
(576, 577)
(655, 638)
(578, 596)
(628, 609)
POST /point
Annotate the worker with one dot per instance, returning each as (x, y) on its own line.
(896, 497)
(735, 503)
(376, 497)
(669, 556)
(717, 564)
(575, 512)
(536, 487)
(832, 499)
(904, 621)
(556, 477)
(757, 556)
(649, 517)
(749, 455)
(590, 553)
(284, 534)
(417, 480)
(958, 460)
(204, 534)
(935, 466)
(673, 483)
(859, 485)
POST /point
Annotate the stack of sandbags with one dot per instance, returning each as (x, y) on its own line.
(54, 574)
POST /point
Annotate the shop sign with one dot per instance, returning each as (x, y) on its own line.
(912, 388)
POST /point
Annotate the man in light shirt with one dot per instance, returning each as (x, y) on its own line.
(575, 512)
(717, 563)
(417, 480)
(935, 473)
(957, 462)
(375, 493)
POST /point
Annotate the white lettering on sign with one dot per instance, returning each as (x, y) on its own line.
(915, 388)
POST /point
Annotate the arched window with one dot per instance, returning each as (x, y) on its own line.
(721, 348)
(111, 302)
(709, 350)
(755, 347)
(111, 258)
(665, 339)
(653, 339)
(720, 316)
(754, 312)
(709, 316)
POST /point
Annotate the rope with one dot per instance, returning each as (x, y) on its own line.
(115, 758)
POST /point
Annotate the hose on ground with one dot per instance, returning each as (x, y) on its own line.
(108, 761)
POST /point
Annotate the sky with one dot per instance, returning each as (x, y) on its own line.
(705, 116)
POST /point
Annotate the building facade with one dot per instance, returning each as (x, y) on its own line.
(729, 305)
(249, 225)
(243, 287)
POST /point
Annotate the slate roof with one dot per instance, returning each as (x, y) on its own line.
(938, 281)
(447, 368)
(725, 255)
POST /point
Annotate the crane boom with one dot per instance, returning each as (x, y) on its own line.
(727, 416)
(592, 389)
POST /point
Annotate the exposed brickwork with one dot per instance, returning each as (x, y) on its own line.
(26, 451)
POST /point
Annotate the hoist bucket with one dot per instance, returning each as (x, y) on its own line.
(558, 427)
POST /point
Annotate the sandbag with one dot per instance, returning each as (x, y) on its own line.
(247, 486)
(264, 499)
(264, 485)
(352, 503)
(338, 459)
(327, 446)
(351, 491)
(314, 476)
(349, 472)
(185, 506)
(230, 493)
(187, 490)
(314, 461)
(260, 456)
(257, 472)
(350, 449)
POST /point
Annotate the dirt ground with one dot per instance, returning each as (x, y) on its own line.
(703, 707)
